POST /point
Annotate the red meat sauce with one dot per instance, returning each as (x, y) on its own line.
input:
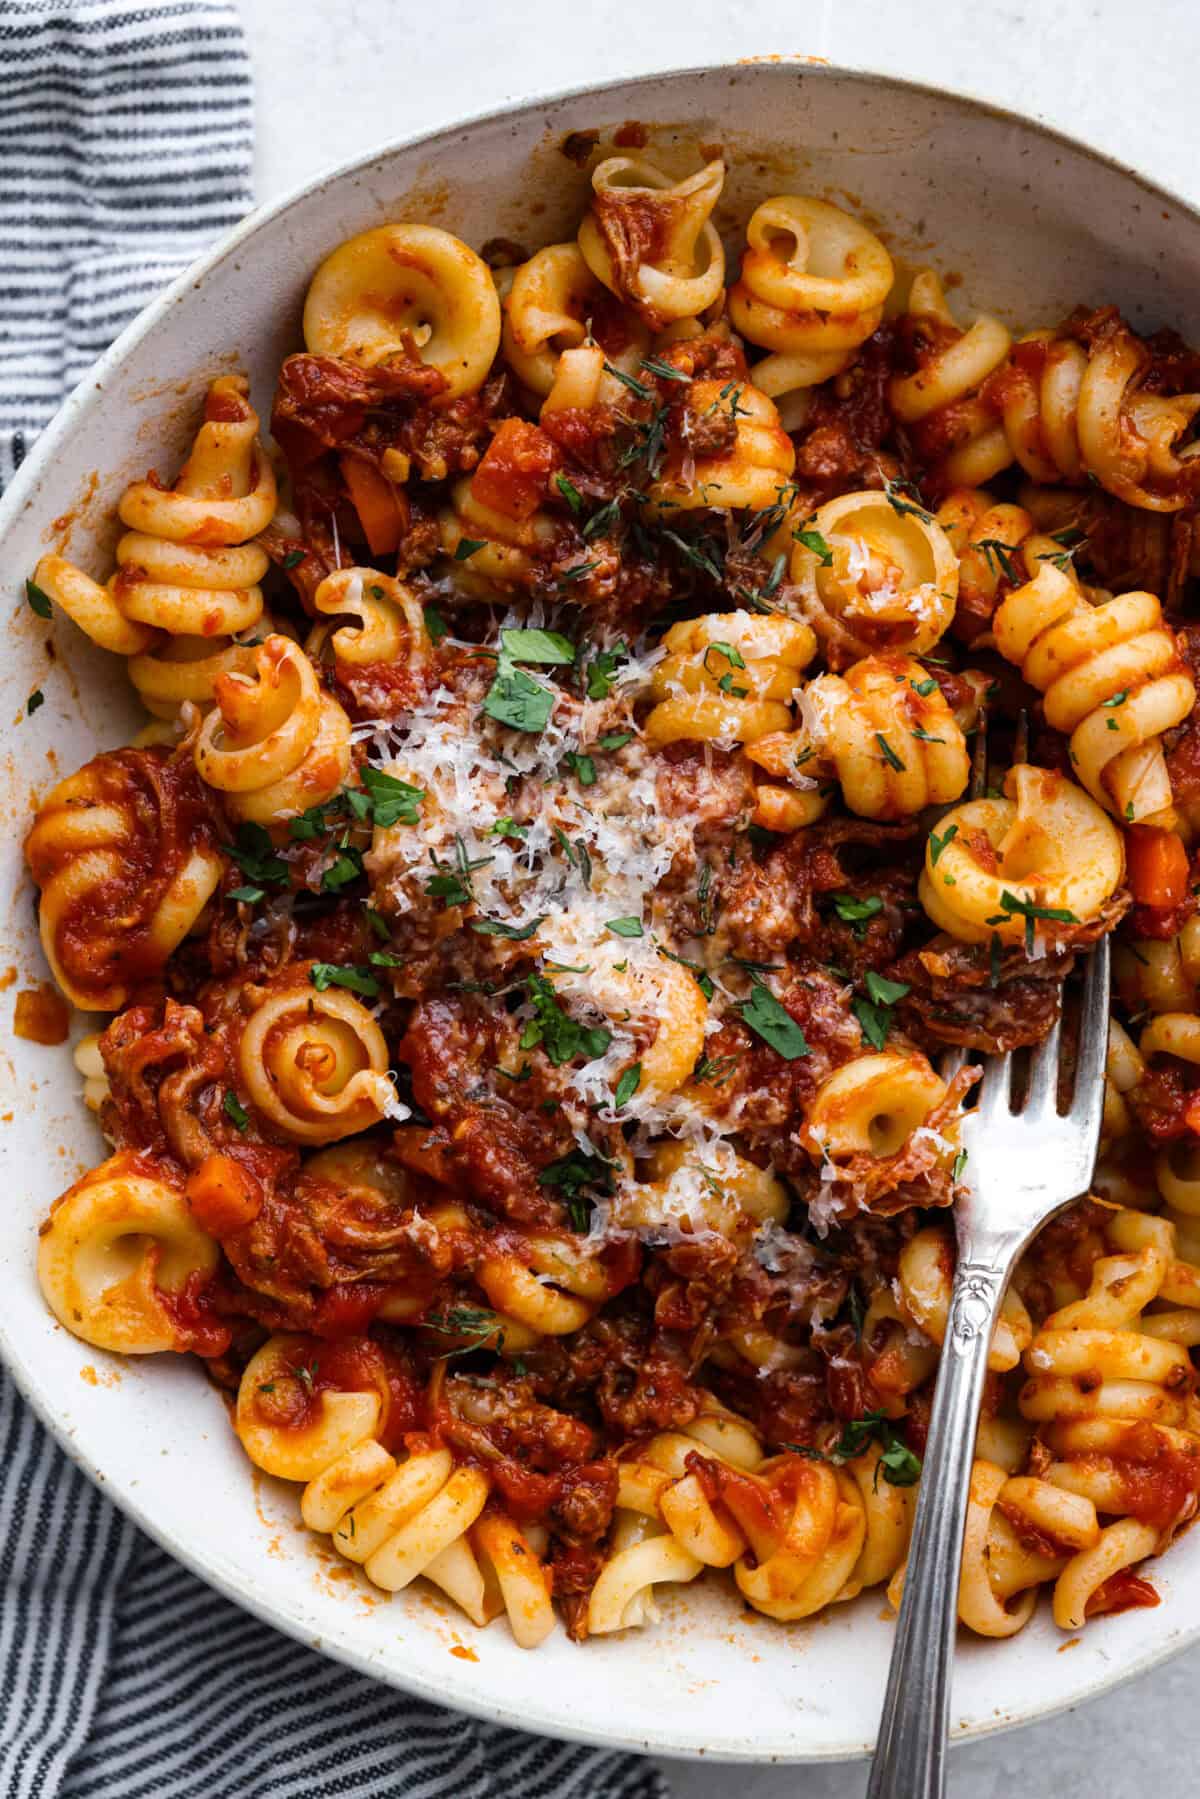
(106, 935)
(1121, 1592)
(289, 1397)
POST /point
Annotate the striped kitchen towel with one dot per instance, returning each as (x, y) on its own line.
(126, 138)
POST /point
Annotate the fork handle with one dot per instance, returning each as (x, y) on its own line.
(910, 1756)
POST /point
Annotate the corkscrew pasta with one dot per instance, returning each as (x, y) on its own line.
(625, 719)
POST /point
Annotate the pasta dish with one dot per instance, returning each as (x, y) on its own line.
(644, 700)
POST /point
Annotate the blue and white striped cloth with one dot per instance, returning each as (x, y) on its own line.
(126, 138)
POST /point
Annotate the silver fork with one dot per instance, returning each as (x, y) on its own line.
(1021, 1168)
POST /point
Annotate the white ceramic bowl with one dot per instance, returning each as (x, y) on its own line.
(1032, 224)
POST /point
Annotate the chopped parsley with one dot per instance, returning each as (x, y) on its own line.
(570, 493)
(704, 554)
(39, 599)
(494, 927)
(294, 558)
(577, 573)
(856, 912)
(937, 844)
(515, 699)
(561, 1036)
(582, 767)
(1013, 906)
(507, 827)
(628, 1085)
(452, 885)
(482, 1328)
(614, 740)
(910, 508)
(897, 1463)
(774, 1024)
(716, 1070)
(999, 557)
(888, 753)
(435, 625)
(656, 366)
(625, 927)
(346, 866)
(36, 700)
(549, 647)
(334, 974)
(735, 660)
(233, 1108)
(602, 671)
(391, 801)
(630, 381)
(572, 1174)
(813, 541)
(257, 856)
(874, 1014)
(467, 546)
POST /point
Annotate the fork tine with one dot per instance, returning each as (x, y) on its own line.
(996, 1087)
(950, 1061)
(1042, 1094)
(1087, 1105)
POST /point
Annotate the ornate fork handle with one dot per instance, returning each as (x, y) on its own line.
(911, 1752)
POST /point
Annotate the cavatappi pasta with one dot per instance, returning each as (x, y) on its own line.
(644, 698)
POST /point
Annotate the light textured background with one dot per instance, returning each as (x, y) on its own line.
(338, 79)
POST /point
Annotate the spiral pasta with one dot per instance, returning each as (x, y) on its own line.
(186, 566)
(1043, 856)
(504, 549)
(699, 1191)
(315, 1064)
(866, 1113)
(727, 676)
(941, 398)
(276, 744)
(549, 1285)
(1070, 409)
(926, 1280)
(531, 986)
(1160, 975)
(397, 1519)
(1111, 676)
(118, 1249)
(812, 285)
(552, 306)
(651, 240)
(407, 291)
(119, 889)
(878, 573)
(1065, 405)
(797, 1534)
(888, 734)
(382, 619)
(752, 472)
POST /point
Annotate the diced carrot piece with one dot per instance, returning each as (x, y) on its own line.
(377, 504)
(223, 1196)
(1158, 866)
(515, 472)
